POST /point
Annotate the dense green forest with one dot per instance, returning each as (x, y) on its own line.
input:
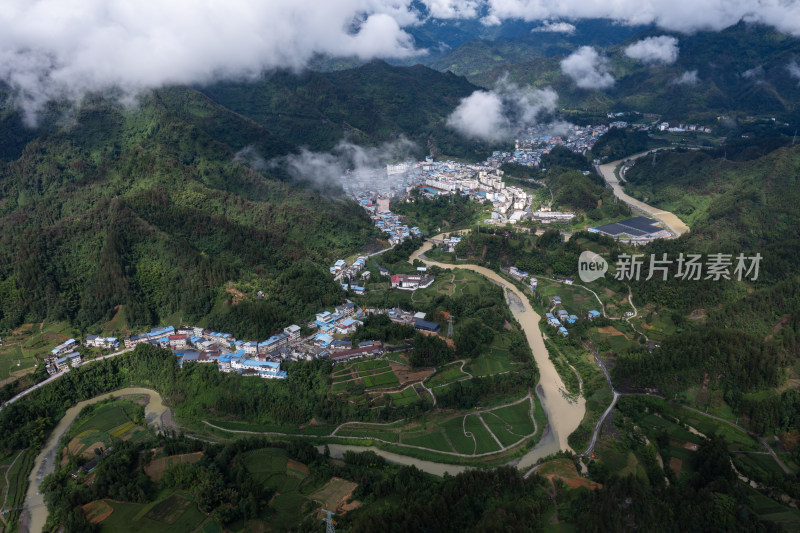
(149, 212)
(444, 213)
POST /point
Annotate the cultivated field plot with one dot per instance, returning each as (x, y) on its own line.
(518, 416)
(435, 439)
(609, 338)
(495, 362)
(285, 476)
(476, 433)
(155, 469)
(175, 513)
(564, 469)
(768, 509)
(446, 374)
(405, 397)
(576, 300)
(106, 422)
(501, 429)
(373, 374)
(27, 346)
(16, 469)
(484, 440)
(274, 469)
(369, 432)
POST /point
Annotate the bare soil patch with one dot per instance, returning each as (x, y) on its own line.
(88, 453)
(156, 468)
(610, 330)
(406, 375)
(97, 511)
(675, 465)
(291, 464)
(790, 441)
(238, 295)
(335, 493)
(698, 314)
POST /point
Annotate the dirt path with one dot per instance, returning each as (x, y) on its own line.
(489, 430)
(760, 439)
(469, 434)
(528, 397)
(8, 487)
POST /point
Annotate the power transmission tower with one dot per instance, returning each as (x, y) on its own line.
(328, 521)
(450, 327)
(654, 159)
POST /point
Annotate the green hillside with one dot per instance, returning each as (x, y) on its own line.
(146, 209)
(372, 103)
(740, 69)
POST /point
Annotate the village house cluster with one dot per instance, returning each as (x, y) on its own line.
(327, 338)
(63, 356)
(538, 140)
(351, 276)
(559, 318)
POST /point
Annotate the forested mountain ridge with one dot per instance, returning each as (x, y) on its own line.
(147, 208)
(744, 68)
(372, 103)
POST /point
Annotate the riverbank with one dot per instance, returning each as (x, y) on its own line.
(675, 225)
(34, 514)
(563, 414)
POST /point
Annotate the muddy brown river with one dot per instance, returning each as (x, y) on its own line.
(563, 414)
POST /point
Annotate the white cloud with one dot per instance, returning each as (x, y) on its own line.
(588, 69)
(452, 9)
(499, 114)
(480, 115)
(64, 48)
(326, 168)
(554, 27)
(794, 71)
(662, 49)
(755, 72)
(674, 15)
(687, 78)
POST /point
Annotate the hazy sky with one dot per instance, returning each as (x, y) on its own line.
(63, 48)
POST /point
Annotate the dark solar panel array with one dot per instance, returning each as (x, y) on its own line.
(635, 227)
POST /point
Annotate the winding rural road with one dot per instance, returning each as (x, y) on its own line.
(58, 375)
(674, 224)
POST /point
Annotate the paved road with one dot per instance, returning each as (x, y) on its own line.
(58, 375)
(675, 225)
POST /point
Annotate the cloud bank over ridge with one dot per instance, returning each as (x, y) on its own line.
(51, 49)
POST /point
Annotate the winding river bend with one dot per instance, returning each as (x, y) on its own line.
(563, 415)
(675, 225)
(34, 514)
